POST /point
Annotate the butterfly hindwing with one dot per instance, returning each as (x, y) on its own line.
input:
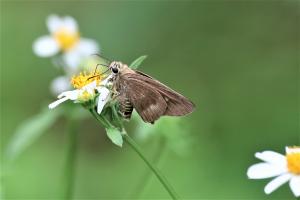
(148, 102)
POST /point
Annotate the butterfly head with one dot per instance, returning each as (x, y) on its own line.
(116, 67)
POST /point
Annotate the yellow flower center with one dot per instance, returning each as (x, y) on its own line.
(83, 79)
(85, 96)
(66, 39)
(293, 162)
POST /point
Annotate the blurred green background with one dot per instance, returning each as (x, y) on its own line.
(237, 60)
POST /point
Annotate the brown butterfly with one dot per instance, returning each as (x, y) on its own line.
(150, 98)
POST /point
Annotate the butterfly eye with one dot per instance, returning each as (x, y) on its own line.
(114, 70)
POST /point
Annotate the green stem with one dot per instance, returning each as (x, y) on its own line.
(146, 177)
(158, 174)
(69, 174)
(136, 148)
(100, 118)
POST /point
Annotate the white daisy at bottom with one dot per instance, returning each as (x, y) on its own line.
(285, 168)
(87, 88)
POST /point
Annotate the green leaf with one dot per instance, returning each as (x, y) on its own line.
(29, 131)
(115, 136)
(136, 63)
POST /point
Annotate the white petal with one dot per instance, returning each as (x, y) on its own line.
(87, 47)
(295, 185)
(105, 81)
(60, 84)
(265, 170)
(276, 182)
(90, 86)
(72, 95)
(89, 89)
(77, 55)
(56, 103)
(292, 149)
(72, 59)
(54, 23)
(271, 157)
(103, 98)
(45, 46)
(70, 24)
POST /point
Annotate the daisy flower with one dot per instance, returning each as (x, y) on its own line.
(88, 88)
(283, 167)
(64, 37)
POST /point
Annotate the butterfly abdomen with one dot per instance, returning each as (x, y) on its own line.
(126, 108)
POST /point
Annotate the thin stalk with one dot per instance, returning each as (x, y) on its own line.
(69, 173)
(158, 174)
(137, 149)
(101, 119)
(146, 177)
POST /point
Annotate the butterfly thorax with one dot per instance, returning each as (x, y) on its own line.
(125, 106)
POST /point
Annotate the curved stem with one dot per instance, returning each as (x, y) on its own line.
(100, 118)
(146, 177)
(137, 149)
(69, 174)
(158, 174)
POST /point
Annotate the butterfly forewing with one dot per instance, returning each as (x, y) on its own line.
(178, 105)
(152, 99)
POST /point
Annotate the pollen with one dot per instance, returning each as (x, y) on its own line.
(66, 39)
(85, 96)
(83, 79)
(293, 162)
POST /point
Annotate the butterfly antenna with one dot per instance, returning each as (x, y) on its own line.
(97, 67)
(96, 71)
(105, 71)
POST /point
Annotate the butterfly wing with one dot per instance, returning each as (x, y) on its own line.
(153, 99)
(149, 103)
(178, 105)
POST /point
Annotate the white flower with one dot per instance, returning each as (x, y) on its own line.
(87, 91)
(284, 168)
(64, 37)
